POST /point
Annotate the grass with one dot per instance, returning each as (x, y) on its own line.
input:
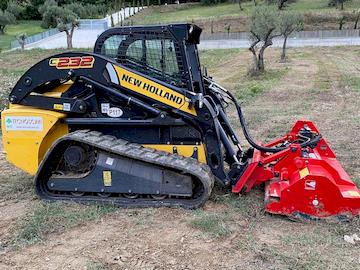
(246, 87)
(48, 218)
(352, 82)
(96, 266)
(211, 58)
(15, 185)
(12, 31)
(254, 86)
(219, 13)
(212, 224)
(186, 13)
(249, 206)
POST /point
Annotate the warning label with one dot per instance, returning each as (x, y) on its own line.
(26, 123)
(310, 185)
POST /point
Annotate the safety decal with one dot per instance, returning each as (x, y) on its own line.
(310, 184)
(105, 107)
(67, 107)
(25, 123)
(59, 107)
(304, 172)
(107, 178)
(354, 194)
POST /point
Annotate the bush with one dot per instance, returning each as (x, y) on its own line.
(212, 2)
(31, 10)
(88, 11)
(14, 8)
(6, 18)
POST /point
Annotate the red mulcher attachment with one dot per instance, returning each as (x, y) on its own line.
(308, 182)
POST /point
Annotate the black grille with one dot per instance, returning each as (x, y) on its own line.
(154, 53)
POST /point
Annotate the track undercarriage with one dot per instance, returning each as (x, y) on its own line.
(121, 173)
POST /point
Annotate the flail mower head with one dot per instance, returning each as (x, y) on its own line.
(302, 182)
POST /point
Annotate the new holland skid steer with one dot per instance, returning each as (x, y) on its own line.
(137, 124)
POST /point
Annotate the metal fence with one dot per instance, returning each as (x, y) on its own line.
(94, 24)
(35, 38)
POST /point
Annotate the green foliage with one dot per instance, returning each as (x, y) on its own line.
(83, 8)
(67, 20)
(31, 10)
(264, 22)
(6, 18)
(61, 17)
(50, 11)
(87, 11)
(212, 2)
(14, 8)
(3, 4)
(290, 22)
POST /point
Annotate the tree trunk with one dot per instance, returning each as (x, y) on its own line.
(341, 23)
(255, 59)
(357, 21)
(22, 44)
(241, 8)
(254, 1)
(261, 65)
(342, 5)
(283, 54)
(69, 36)
(2, 29)
(69, 41)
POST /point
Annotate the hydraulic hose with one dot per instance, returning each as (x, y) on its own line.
(261, 148)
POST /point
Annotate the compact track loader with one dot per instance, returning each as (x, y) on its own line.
(137, 124)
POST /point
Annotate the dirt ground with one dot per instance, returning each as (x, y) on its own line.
(230, 232)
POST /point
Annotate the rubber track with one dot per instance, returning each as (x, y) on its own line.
(135, 151)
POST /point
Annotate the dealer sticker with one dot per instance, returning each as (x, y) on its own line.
(26, 123)
(115, 112)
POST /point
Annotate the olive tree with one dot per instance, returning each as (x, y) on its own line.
(67, 23)
(64, 19)
(6, 18)
(289, 22)
(264, 21)
(22, 40)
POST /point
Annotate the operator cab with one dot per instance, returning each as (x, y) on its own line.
(165, 53)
